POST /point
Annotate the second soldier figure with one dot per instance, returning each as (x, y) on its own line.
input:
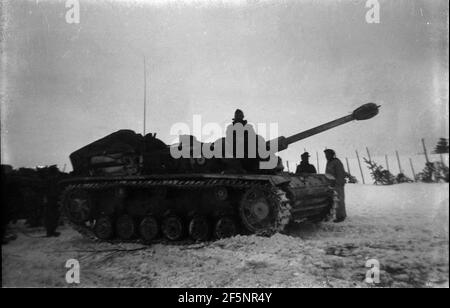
(305, 166)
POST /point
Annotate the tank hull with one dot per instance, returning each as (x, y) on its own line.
(196, 206)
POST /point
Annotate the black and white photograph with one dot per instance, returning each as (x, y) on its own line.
(239, 146)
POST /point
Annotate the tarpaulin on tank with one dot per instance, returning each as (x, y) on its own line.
(122, 141)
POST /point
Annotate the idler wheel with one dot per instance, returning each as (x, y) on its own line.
(199, 228)
(77, 206)
(149, 228)
(172, 227)
(225, 227)
(103, 228)
(258, 212)
(125, 227)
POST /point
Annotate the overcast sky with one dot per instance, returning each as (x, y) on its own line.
(297, 63)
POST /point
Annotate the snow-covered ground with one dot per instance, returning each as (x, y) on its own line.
(405, 227)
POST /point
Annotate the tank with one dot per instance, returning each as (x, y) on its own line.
(128, 187)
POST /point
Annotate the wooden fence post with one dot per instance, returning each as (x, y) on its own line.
(368, 154)
(398, 161)
(317, 157)
(412, 169)
(360, 168)
(425, 151)
(348, 166)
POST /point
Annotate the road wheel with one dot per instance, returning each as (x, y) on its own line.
(103, 228)
(125, 228)
(199, 228)
(172, 228)
(149, 228)
(225, 227)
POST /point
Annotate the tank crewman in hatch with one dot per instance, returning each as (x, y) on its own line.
(305, 166)
(237, 141)
(336, 169)
(239, 117)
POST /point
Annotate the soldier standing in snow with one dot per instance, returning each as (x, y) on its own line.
(336, 169)
(51, 208)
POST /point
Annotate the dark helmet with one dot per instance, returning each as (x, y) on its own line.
(305, 155)
(331, 152)
(238, 115)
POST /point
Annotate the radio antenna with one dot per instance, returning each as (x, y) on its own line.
(145, 98)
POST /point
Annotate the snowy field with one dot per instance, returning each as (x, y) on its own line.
(405, 227)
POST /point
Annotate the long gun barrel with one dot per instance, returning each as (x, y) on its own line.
(364, 112)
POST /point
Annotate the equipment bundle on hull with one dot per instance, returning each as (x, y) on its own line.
(127, 186)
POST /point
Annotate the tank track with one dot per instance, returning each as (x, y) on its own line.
(277, 195)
